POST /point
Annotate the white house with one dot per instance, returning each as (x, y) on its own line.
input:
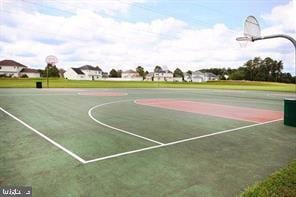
(29, 72)
(149, 76)
(86, 72)
(14, 69)
(211, 77)
(198, 76)
(187, 77)
(131, 75)
(163, 75)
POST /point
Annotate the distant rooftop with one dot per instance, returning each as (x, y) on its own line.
(11, 63)
(29, 70)
(89, 67)
(78, 71)
(130, 71)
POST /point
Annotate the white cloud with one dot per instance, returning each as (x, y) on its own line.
(89, 37)
(283, 16)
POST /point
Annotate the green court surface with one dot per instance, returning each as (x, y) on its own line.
(99, 142)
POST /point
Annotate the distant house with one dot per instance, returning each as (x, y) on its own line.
(105, 75)
(187, 77)
(211, 77)
(86, 72)
(12, 68)
(131, 75)
(163, 75)
(29, 72)
(149, 76)
(198, 76)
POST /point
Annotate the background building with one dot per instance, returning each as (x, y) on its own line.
(86, 72)
(11, 68)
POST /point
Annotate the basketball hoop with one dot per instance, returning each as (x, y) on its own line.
(251, 30)
(252, 27)
(51, 59)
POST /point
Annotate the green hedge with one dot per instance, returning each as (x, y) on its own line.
(281, 183)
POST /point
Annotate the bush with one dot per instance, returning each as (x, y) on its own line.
(24, 76)
(280, 183)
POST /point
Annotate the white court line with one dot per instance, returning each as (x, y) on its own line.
(45, 137)
(117, 129)
(37, 94)
(179, 141)
(89, 93)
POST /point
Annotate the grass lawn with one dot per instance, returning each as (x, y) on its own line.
(63, 83)
(280, 183)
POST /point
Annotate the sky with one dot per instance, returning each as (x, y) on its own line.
(124, 34)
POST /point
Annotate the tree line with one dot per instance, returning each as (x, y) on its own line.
(256, 69)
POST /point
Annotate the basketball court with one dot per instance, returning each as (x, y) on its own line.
(161, 141)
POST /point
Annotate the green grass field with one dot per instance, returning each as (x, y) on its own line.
(114, 163)
(280, 183)
(63, 83)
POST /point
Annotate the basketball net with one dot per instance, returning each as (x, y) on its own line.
(243, 43)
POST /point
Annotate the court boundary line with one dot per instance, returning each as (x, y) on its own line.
(179, 141)
(45, 137)
(115, 128)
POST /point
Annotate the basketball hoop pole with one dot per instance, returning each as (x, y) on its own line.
(280, 36)
(51, 61)
(47, 76)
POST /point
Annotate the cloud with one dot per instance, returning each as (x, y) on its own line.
(89, 36)
(283, 16)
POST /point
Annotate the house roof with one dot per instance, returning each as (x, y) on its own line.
(210, 75)
(11, 63)
(163, 71)
(130, 71)
(197, 77)
(78, 71)
(29, 70)
(197, 73)
(89, 67)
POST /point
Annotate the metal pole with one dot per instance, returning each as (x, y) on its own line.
(47, 75)
(280, 36)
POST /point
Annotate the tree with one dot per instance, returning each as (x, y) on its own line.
(141, 71)
(287, 78)
(178, 73)
(113, 73)
(157, 68)
(252, 68)
(53, 71)
(239, 74)
(189, 72)
(278, 69)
